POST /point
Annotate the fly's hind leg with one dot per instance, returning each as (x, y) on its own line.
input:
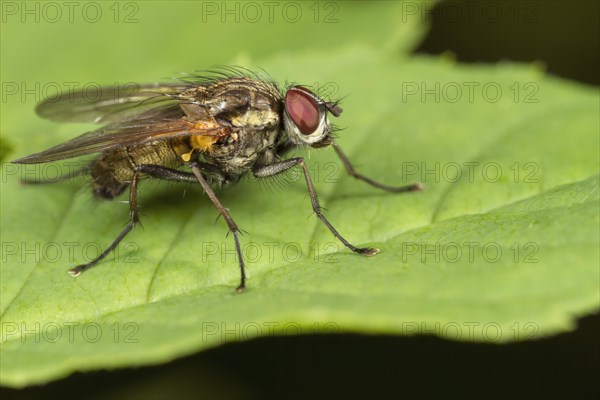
(155, 171)
(169, 174)
(133, 220)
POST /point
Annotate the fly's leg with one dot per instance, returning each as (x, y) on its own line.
(155, 171)
(197, 176)
(169, 174)
(352, 172)
(233, 228)
(133, 220)
(279, 167)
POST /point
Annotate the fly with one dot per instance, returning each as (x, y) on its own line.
(209, 131)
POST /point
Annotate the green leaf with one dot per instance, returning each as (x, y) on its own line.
(501, 246)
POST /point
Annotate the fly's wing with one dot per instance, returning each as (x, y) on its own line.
(156, 125)
(109, 104)
(135, 116)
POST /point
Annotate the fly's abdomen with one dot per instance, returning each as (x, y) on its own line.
(113, 171)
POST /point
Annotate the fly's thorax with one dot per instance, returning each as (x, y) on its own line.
(232, 97)
(236, 156)
(250, 111)
(256, 118)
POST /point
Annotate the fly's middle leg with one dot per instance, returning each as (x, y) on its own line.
(233, 228)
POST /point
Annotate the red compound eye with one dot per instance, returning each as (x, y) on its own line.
(302, 109)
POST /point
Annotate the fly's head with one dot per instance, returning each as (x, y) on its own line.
(305, 117)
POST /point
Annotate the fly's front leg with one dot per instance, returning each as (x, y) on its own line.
(279, 167)
(233, 228)
(352, 172)
(133, 220)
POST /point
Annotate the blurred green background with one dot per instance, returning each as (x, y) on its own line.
(149, 40)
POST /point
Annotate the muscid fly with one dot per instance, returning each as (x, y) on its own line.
(205, 130)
